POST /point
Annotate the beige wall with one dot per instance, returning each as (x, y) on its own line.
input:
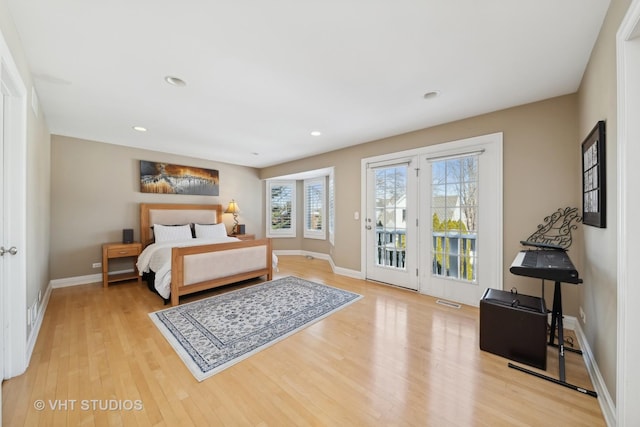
(541, 174)
(597, 101)
(95, 194)
(37, 173)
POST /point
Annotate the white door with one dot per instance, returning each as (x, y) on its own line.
(3, 280)
(13, 143)
(390, 222)
(628, 202)
(461, 209)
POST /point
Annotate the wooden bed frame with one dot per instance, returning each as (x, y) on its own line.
(198, 268)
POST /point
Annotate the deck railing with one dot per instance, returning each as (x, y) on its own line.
(454, 254)
(391, 246)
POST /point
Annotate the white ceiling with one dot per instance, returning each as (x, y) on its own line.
(261, 75)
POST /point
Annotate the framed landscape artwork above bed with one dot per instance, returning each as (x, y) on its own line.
(167, 178)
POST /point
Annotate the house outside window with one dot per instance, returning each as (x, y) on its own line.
(281, 213)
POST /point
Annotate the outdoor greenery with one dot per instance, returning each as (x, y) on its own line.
(281, 207)
(444, 232)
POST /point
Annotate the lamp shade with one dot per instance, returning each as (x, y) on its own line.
(233, 207)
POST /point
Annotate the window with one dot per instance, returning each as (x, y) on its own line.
(332, 209)
(281, 204)
(281, 212)
(391, 183)
(314, 208)
(454, 212)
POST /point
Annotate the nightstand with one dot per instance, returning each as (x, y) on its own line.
(120, 250)
(243, 236)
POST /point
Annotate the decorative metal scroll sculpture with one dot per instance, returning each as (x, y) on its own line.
(557, 228)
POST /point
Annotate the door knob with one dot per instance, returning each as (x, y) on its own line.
(12, 250)
(368, 227)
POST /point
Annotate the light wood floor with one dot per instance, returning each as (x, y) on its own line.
(394, 358)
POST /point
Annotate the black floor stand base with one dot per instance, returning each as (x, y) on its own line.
(554, 380)
(556, 326)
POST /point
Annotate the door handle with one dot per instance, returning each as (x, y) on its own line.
(12, 250)
(368, 227)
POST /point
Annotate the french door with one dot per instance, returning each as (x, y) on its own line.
(390, 223)
(451, 202)
(461, 207)
(434, 219)
(3, 278)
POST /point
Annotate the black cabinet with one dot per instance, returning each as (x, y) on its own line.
(514, 326)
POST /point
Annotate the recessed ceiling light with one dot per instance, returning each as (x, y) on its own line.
(316, 133)
(140, 128)
(175, 81)
(432, 94)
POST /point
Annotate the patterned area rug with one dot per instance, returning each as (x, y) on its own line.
(217, 332)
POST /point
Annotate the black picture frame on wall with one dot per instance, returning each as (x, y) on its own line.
(594, 182)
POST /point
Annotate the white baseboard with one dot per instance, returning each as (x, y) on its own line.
(83, 280)
(35, 329)
(300, 252)
(75, 281)
(337, 270)
(604, 397)
(347, 272)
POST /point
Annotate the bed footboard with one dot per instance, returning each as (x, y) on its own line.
(197, 268)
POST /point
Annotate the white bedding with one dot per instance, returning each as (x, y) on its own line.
(157, 258)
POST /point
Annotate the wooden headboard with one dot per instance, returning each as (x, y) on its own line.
(174, 214)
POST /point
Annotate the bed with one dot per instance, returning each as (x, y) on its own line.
(178, 264)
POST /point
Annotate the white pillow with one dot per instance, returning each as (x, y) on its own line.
(171, 233)
(211, 231)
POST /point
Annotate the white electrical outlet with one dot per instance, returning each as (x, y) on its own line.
(582, 316)
(96, 265)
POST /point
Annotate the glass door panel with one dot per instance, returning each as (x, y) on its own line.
(390, 232)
